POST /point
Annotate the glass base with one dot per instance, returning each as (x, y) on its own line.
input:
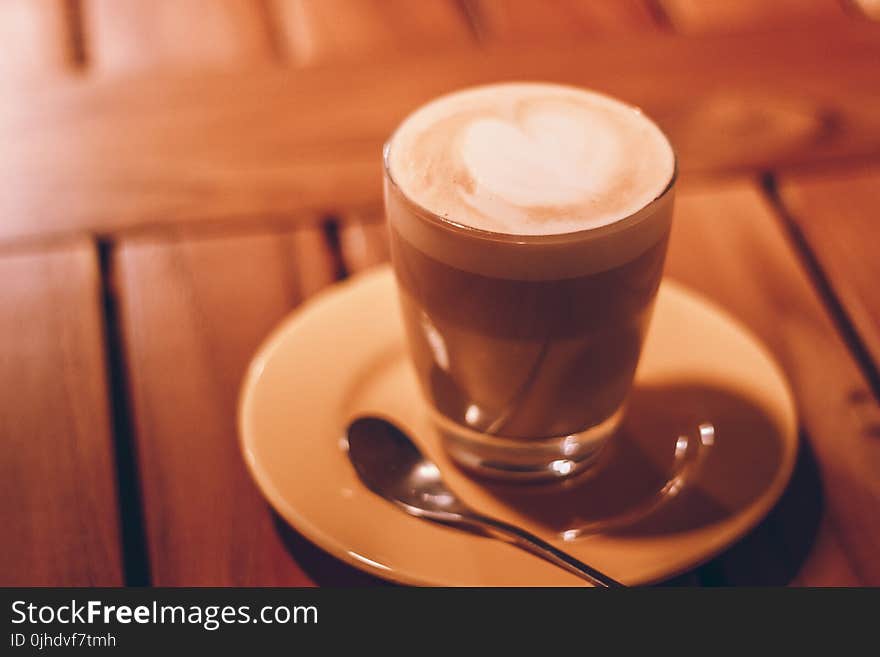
(520, 460)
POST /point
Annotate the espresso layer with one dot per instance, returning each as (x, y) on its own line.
(530, 159)
(525, 358)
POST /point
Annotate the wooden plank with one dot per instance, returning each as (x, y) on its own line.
(517, 20)
(36, 38)
(225, 147)
(837, 214)
(194, 312)
(728, 244)
(126, 35)
(316, 31)
(59, 511)
(701, 17)
(321, 31)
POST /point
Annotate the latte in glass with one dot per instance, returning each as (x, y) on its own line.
(528, 227)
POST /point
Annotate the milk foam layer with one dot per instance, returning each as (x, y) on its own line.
(530, 159)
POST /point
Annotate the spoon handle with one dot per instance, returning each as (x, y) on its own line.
(541, 548)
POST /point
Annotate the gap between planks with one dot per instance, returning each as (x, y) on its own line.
(135, 555)
(133, 527)
(822, 283)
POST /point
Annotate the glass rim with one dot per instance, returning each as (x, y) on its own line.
(513, 238)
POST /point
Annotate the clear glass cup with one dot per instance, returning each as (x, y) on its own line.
(525, 346)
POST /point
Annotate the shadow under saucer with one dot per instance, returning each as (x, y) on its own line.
(774, 552)
(322, 568)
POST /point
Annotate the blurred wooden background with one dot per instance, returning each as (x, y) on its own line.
(177, 175)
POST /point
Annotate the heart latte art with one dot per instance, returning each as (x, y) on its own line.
(530, 159)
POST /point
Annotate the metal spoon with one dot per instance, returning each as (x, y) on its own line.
(391, 465)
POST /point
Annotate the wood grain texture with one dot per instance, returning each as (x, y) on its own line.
(517, 20)
(57, 477)
(728, 244)
(223, 147)
(837, 213)
(131, 35)
(36, 38)
(194, 312)
(702, 17)
(318, 31)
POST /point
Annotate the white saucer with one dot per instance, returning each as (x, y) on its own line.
(342, 355)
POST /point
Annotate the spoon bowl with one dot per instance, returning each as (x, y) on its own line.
(391, 465)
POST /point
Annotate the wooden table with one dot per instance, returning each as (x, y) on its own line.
(179, 174)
